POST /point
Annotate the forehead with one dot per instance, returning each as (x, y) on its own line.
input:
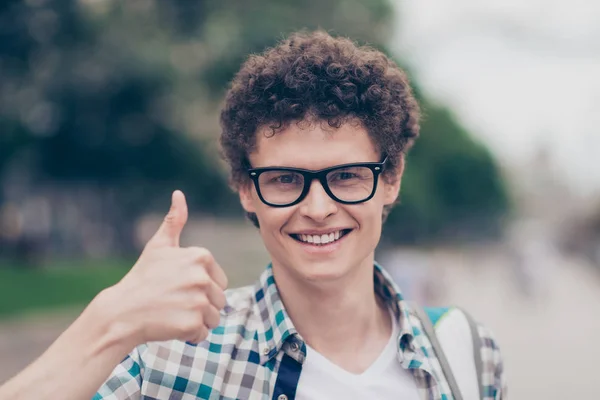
(313, 145)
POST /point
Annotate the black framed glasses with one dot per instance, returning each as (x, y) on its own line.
(347, 183)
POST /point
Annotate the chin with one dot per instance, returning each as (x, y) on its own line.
(322, 271)
(309, 263)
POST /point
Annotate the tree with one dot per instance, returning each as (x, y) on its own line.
(451, 189)
(124, 96)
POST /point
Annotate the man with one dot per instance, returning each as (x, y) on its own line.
(315, 131)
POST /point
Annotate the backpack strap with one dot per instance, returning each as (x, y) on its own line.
(477, 345)
(437, 348)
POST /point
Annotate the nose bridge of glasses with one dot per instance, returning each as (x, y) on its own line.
(317, 187)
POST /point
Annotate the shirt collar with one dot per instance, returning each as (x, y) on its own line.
(411, 341)
(277, 327)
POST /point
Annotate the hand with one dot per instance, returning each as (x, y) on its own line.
(171, 292)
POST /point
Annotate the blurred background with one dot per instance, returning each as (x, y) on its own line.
(107, 106)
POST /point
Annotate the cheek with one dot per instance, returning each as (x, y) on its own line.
(381, 198)
(367, 215)
(371, 222)
(272, 219)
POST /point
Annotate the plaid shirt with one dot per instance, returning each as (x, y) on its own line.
(256, 353)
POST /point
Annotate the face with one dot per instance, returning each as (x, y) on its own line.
(288, 231)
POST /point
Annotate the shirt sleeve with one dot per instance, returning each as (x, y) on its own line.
(125, 381)
(493, 377)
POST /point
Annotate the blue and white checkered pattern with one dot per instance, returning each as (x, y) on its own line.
(256, 353)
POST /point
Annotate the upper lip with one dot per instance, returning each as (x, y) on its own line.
(318, 231)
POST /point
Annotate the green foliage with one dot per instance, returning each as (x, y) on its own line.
(123, 94)
(451, 187)
(64, 284)
(88, 105)
(244, 27)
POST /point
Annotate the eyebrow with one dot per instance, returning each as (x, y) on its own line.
(313, 170)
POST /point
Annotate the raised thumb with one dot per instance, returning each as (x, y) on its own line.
(170, 230)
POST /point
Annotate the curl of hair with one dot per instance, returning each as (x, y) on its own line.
(314, 76)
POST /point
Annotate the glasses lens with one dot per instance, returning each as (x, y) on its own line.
(352, 183)
(280, 187)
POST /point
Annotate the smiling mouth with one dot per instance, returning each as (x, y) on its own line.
(321, 240)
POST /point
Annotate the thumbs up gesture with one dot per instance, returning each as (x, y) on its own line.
(171, 292)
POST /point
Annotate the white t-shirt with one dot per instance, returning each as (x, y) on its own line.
(384, 379)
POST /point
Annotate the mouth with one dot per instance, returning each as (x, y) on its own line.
(320, 240)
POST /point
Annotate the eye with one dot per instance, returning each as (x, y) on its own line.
(350, 176)
(285, 179)
(288, 178)
(345, 175)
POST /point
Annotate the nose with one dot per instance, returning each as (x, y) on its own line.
(317, 204)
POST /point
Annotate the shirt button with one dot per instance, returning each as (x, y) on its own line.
(295, 346)
(266, 351)
(282, 397)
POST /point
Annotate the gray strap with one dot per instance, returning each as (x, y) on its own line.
(477, 345)
(430, 332)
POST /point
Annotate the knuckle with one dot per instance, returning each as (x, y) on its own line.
(214, 320)
(192, 325)
(170, 217)
(221, 300)
(213, 323)
(225, 280)
(200, 254)
(199, 332)
(200, 335)
(201, 280)
(200, 301)
(193, 252)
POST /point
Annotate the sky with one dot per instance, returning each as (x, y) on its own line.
(521, 75)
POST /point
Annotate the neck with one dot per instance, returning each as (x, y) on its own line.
(340, 317)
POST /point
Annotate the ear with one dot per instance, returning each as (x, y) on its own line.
(392, 188)
(247, 197)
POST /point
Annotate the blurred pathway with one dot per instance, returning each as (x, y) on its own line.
(549, 339)
(24, 340)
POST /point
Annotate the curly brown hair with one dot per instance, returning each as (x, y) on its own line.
(312, 75)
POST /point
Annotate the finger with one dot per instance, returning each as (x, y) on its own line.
(216, 296)
(217, 274)
(170, 231)
(198, 336)
(212, 317)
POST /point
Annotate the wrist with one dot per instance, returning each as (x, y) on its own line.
(112, 331)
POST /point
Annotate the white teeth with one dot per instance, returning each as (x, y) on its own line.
(321, 239)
